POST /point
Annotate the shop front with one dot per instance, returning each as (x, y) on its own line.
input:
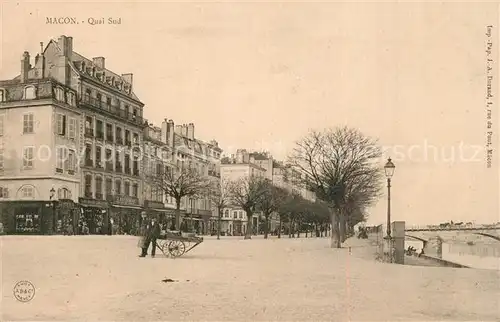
(125, 214)
(94, 217)
(27, 217)
(165, 216)
(67, 215)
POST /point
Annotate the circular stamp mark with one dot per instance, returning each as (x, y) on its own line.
(24, 291)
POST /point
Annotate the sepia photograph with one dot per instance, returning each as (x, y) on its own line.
(249, 161)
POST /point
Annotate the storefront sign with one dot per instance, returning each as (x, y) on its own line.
(66, 204)
(126, 200)
(153, 204)
(93, 202)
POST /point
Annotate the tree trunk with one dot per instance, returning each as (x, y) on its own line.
(248, 233)
(290, 222)
(298, 229)
(279, 228)
(219, 216)
(342, 230)
(177, 214)
(266, 226)
(335, 235)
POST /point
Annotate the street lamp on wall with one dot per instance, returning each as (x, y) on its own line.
(52, 197)
(389, 172)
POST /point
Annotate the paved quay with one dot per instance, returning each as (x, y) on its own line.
(298, 279)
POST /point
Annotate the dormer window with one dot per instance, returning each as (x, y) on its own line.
(29, 92)
(59, 92)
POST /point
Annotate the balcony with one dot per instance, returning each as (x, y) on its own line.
(89, 163)
(111, 109)
(89, 133)
(99, 196)
(109, 166)
(119, 140)
(99, 135)
(88, 194)
(109, 138)
(128, 143)
(125, 200)
(99, 164)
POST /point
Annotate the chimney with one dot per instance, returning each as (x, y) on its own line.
(66, 45)
(25, 66)
(36, 58)
(170, 132)
(99, 62)
(190, 131)
(178, 129)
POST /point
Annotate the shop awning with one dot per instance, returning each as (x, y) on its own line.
(128, 207)
(163, 210)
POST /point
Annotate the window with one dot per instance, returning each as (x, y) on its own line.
(136, 138)
(71, 162)
(29, 93)
(28, 157)
(98, 187)
(1, 159)
(28, 122)
(88, 92)
(126, 188)
(27, 192)
(98, 156)
(2, 95)
(108, 102)
(118, 187)
(63, 193)
(88, 186)
(99, 129)
(61, 124)
(109, 132)
(72, 128)
(226, 213)
(59, 94)
(2, 117)
(135, 190)
(61, 157)
(4, 192)
(109, 186)
(235, 214)
(99, 99)
(70, 98)
(240, 215)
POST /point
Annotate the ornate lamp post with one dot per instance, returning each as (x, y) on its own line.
(389, 172)
(54, 222)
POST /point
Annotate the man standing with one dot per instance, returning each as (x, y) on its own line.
(152, 231)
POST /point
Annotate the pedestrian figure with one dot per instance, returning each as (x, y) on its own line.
(150, 232)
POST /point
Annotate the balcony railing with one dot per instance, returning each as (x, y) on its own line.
(111, 109)
(98, 196)
(89, 133)
(99, 164)
(99, 134)
(89, 162)
(88, 194)
(119, 140)
(128, 143)
(109, 166)
(109, 138)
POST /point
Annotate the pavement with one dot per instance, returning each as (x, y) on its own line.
(100, 278)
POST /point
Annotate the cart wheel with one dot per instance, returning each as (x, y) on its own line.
(164, 247)
(176, 248)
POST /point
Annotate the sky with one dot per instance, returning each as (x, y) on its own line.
(259, 75)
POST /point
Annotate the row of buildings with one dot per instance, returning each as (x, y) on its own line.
(75, 151)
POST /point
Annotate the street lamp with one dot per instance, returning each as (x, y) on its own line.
(389, 172)
(52, 194)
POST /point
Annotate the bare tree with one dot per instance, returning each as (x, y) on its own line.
(179, 182)
(219, 196)
(270, 202)
(246, 193)
(339, 166)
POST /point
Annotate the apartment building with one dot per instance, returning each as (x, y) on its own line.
(240, 166)
(206, 158)
(40, 139)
